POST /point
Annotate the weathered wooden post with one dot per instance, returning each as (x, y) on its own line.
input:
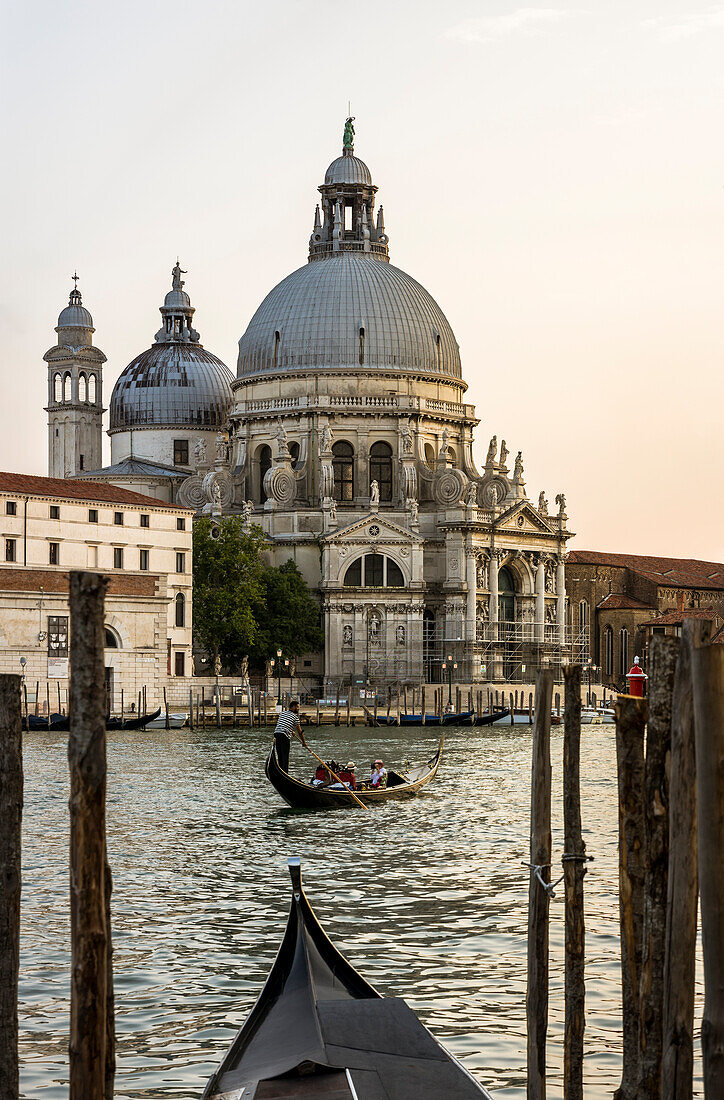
(662, 666)
(88, 887)
(512, 710)
(630, 725)
(165, 707)
(336, 709)
(422, 704)
(11, 812)
(217, 703)
(191, 708)
(707, 666)
(60, 707)
(574, 868)
(203, 705)
(349, 702)
(683, 883)
(538, 900)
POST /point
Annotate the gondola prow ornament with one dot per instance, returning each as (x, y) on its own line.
(636, 679)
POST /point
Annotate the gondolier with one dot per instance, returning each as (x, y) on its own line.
(288, 726)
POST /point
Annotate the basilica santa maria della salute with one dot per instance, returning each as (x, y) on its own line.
(345, 435)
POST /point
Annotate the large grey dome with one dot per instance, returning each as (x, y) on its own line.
(348, 311)
(172, 385)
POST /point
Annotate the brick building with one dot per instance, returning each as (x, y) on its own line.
(619, 600)
(49, 526)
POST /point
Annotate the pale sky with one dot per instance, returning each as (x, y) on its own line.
(551, 174)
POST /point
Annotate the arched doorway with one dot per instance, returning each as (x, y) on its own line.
(506, 596)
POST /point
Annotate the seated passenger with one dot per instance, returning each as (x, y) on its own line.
(346, 774)
(321, 776)
(379, 774)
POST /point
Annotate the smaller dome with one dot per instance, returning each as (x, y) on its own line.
(177, 299)
(348, 169)
(75, 315)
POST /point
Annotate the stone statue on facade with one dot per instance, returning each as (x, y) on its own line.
(333, 511)
(503, 453)
(247, 513)
(561, 502)
(177, 282)
(400, 635)
(244, 670)
(374, 629)
(200, 457)
(472, 497)
(325, 441)
(518, 472)
(407, 443)
(222, 448)
(374, 492)
(348, 137)
(482, 574)
(444, 443)
(414, 510)
(550, 612)
(281, 438)
(542, 504)
(492, 448)
(347, 635)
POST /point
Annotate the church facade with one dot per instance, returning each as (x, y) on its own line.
(346, 436)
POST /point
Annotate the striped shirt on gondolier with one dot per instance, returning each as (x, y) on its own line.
(287, 724)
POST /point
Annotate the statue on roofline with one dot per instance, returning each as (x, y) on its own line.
(492, 448)
(177, 282)
(348, 139)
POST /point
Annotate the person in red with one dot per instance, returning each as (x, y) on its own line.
(636, 679)
(347, 776)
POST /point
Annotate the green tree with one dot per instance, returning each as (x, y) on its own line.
(290, 615)
(229, 588)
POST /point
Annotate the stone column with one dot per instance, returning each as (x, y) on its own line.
(493, 605)
(540, 598)
(471, 579)
(561, 600)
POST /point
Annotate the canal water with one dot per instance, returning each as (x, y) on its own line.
(427, 898)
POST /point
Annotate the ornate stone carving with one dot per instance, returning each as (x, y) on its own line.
(326, 480)
(413, 508)
(409, 481)
(406, 437)
(561, 502)
(222, 495)
(346, 635)
(222, 448)
(200, 456)
(191, 492)
(374, 492)
(400, 635)
(492, 448)
(472, 498)
(503, 453)
(449, 487)
(495, 490)
(542, 504)
(280, 485)
(325, 441)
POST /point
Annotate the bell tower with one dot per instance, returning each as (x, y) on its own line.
(75, 393)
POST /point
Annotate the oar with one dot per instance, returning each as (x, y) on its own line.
(327, 767)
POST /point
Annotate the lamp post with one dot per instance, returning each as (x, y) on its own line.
(450, 666)
(287, 671)
(272, 663)
(591, 669)
(279, 678)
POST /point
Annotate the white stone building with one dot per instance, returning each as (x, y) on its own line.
(144, 547)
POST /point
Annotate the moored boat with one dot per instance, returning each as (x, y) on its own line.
(319, 1029)
(304, 796)
(60, 723)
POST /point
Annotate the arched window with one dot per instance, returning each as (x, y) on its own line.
(265, 461)
(92, 388)
(381, 469)
(57, 389)
(82, 388)
(374, 571)
(67, 388)
(343, 466)
(277, 341)
(608, 651)
(294, 452)
(623, 651)
(180, 602)
(361, 347)
(430, 455)
(111, 639)
(506, 596)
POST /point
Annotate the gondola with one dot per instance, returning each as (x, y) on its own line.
(319, 1029)
(60, 723)
(303, 796)
(465, 718)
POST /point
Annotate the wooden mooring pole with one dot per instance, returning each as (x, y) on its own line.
(89, 892)
(707, 666)
(11, 812)
(574, 868)
(538, 899)
(630, 725)
(662, 656)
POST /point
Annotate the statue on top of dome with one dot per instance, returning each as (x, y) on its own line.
(348, 139)
(177, 282)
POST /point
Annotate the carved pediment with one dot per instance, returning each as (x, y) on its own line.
(523, 517)
(372, 528)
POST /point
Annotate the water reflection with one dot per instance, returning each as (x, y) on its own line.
(428, 898)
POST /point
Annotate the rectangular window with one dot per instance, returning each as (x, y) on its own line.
(82, 461)
(179, 664)
(57, 635)
(11, 508)
(54, 511)
(180, 523)
(118, 557)
(118, 519)
(53, 553)
(180, 452)
(145, 520)
(93, 515)
(180, 563)
(143, 559)
(10, 547)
